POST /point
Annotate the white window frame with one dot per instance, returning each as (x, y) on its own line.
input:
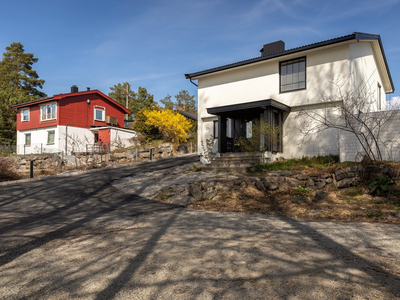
(30, 139)
(48, 105)
(48, 135)
(103, 115)
(22, 114)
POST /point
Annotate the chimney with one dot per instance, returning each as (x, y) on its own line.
(88, 88)
(271, 48)
(74, 89)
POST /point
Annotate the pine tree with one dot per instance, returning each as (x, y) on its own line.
(9, 96)
(143, 99)
(136, 101)
(16, 68)
(118, 93)
(167, 102)
(18, 84)
(185, 102)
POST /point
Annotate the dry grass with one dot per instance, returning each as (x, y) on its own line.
(7, 170)
(352, 204)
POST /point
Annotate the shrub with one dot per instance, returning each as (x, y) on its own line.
(7, 170)
(381, 186)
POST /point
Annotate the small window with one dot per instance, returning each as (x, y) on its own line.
(229, 128)
(249, 129)
(48, 112)
(25, 115)
(99, 114)
(293, 75)
(50, 137)
(215, 129)
(27, 139)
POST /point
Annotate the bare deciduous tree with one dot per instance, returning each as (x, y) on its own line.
(354, 111)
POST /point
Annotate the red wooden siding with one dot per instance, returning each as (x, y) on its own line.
(34, 119)
(104, 136)
(73, 110)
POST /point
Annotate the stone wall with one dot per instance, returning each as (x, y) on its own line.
(83, 160)
(275, 181)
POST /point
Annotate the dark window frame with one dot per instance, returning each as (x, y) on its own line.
(294, 60)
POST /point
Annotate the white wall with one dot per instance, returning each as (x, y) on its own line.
(389, 141)
(122, 138)
(38, 141)
(352, 61)
(261, 81)
(78, 138)
(365, 75)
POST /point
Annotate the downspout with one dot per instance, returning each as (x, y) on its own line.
(193, 82)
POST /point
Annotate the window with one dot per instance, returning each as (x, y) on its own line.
(27, 139)
(25, 115)
(229, 128)
(50, 137)
(215, 129)
(48, 112)
(293, 75)
(99, 113)
(249, 129)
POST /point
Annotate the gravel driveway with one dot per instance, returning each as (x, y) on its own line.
(137, 250)
(187, 254)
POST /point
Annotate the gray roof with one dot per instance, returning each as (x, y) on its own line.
(189, 115)
(353, 36)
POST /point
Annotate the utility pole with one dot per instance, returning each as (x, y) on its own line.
(127, 98)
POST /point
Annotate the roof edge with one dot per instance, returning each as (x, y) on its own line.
(62, 96)
(354, 36)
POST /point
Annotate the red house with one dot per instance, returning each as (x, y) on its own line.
(71, 122)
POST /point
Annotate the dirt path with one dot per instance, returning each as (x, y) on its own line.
(188, 254)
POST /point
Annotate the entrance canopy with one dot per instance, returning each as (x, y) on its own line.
(255, 105)
(235, 121)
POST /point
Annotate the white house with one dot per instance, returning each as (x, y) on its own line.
(275, 86)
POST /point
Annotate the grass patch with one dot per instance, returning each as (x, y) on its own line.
(303, 190)
(303, 164)
(355, 192)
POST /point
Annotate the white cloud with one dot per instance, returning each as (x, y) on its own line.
(394, 103)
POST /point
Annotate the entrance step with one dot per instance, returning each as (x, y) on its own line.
(236, 162)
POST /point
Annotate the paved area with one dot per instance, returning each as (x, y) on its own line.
(75, 239)
(34, 213)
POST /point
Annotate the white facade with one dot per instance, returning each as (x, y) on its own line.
(69, 139)
(354, 63)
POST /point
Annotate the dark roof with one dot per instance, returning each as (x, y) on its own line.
(249, 105)
(189, 115)
(353, 36)
(62, 96)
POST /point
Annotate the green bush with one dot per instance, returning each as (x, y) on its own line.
(380, 186)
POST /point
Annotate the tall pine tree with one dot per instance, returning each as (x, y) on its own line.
(18, 84)
(118, 93)
(185, 102)
(16, 68)
(136, 101)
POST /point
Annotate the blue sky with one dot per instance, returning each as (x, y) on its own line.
(154, 43)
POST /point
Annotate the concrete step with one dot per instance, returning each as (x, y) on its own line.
(230, 165)
(224, 169)
(241, 154)
(249, 159)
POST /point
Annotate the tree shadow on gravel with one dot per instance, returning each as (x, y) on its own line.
(35, 213)
(197, 254)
